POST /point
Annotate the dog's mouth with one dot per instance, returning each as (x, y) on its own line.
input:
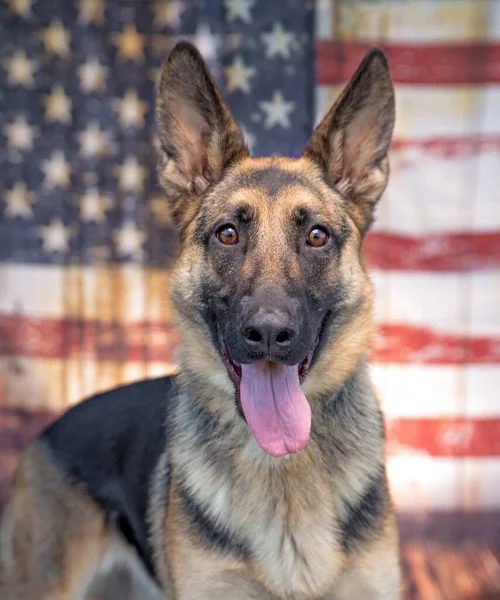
(271, 399)
(235, 371)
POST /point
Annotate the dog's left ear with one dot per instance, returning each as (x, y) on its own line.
(352, 141)
(197, 134)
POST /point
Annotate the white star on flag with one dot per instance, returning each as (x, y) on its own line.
(57, 105)
(20, 69)
(56, 39)
(21, 8)
(250, 139)
(208, 43)
(277, 111)
(168, 14)
(129, 241)
(238, 75)
(278, 42)
(93, 206)
(91, 11)
(57, 171)
(93, 141)
(239, 9)
(130, 43)
(131, 110)
(19, 134)
(130, 175)
(55, 236)
(92, 76)
(19, 201)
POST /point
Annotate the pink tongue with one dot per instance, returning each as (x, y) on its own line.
(275, 408)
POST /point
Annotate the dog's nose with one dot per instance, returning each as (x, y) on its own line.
(268, 332)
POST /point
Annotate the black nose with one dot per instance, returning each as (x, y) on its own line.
(268, 332)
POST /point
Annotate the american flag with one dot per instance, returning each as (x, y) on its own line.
(85, 239)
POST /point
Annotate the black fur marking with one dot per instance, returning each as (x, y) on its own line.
(331, 319)
(301, 215)
(208, 426)
(245, 213)
(342, 234)
(237, 401)
(214, 535)
(272, 179)
(200, 235)
(364, 518)
(110, 444)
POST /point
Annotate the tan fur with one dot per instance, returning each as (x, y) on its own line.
(53, 536)
(374, 572)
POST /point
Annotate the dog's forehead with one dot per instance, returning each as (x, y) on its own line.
(264, 188)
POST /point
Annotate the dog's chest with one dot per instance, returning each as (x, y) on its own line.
(299, 557)
(288, 527)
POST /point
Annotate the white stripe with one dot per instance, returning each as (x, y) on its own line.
(411, 21)
(430, 194)
(420, 482)
(430, 111)
(434, 391)
(32, 290)
(323, 19)
(123, 293)
(455, 303)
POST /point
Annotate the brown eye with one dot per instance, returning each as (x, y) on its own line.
(317, 237)
(227, 235)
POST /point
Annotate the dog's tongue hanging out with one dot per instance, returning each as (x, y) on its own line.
(275, 407)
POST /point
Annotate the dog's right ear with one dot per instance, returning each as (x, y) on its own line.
(198, 137)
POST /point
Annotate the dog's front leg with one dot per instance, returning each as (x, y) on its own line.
(370, 578)
(223, 586)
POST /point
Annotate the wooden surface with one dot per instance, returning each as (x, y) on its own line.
(434, 571)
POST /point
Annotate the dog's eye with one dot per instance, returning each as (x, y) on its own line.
(227, 235)
(317, 237)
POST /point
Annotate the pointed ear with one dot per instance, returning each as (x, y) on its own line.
(352, 141)
(197, 136)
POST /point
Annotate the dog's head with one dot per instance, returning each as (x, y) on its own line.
(269, 288)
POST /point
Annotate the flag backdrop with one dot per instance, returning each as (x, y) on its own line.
(85, 239)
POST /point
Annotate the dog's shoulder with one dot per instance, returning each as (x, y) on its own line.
(110, 444)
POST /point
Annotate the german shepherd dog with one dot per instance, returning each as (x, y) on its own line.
(258, 471)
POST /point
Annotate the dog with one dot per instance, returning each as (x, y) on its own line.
(257, 471)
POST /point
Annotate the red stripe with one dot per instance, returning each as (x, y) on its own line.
(448, 147)
(475, 438)
(67, 338)
(429, 64)
(433, 252)
(404, 344)
(156, 342)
